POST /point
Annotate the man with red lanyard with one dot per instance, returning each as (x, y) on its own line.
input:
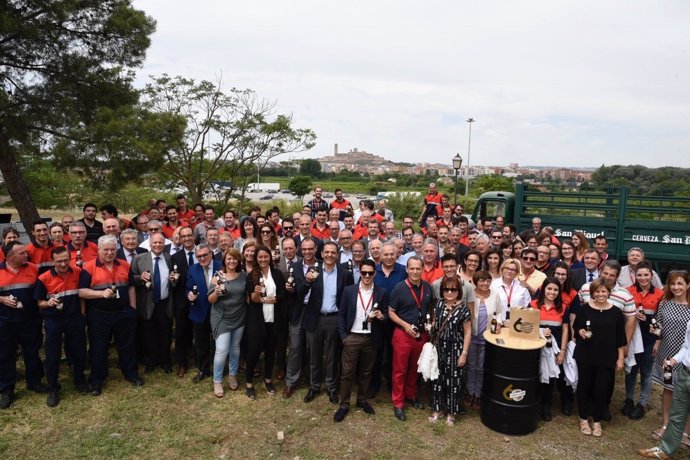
(409, 305)
(57, 294)
(105, 285)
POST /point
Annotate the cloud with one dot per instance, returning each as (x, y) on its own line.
(559, 83)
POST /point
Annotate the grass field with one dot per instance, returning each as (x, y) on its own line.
(172, 418)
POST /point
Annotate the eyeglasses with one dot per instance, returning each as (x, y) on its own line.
(510, 269)
(529, 259)
(203, 256)
(447, 289)
(288, 228)
(155, 229)
(266, 232)
(366, 273)
(472, 261)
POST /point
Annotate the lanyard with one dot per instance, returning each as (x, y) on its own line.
(509, 294)
(418, 300)
(361, 300)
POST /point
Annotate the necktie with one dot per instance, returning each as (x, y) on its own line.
(190, 255)
(131, 257)
(156, 281)
(207, 275)
(591, 277)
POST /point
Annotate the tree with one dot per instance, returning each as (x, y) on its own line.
(310, 167)
(300, 185)
(61, 62)
(232, 128)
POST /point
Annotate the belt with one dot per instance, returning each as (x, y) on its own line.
(361, 334)
(326, 315)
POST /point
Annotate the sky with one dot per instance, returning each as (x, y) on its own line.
(550, 83)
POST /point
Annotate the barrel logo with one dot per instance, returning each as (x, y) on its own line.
(511, 394)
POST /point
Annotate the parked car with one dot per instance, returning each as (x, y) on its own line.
(266, 197)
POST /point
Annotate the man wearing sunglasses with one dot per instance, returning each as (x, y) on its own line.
(360, 320)
(531, 278)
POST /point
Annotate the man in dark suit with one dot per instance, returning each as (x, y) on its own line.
(288, 259)
(320, 319)
(199, 276)
(360, 320)
(296, 304)
(183, 325)
(153, 277)
(129, 247)
(590, 272)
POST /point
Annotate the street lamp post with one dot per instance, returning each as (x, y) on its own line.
(457, 164)
(469, 144)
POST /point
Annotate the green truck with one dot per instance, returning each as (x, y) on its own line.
(660, 225)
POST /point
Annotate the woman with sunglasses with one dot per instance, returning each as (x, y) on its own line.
(554, 323)
(509, 290)
(569, 255)
(486, 304)
(249, 231)
(673, 315)
(227, 318)
(452, 333)
(265, 290)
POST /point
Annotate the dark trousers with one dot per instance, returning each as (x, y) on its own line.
(256, 345)
(155, 335)
(384, 359)
(324, 340)
(547, 390)
(282, 333)
(183, 334)
(202, 346)
(593, 387)
(358, 354)
(28, 334)
(102, 326)
(73, 328)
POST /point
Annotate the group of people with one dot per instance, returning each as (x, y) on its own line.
(345, 297)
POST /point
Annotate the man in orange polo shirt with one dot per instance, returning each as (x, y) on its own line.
(319, 229)
(231, 224)
(57, 294)
(105, 285)
(80, 250)
(19, 323)
(40, 248)
(173, 221)
(431, 270)
(185, 214)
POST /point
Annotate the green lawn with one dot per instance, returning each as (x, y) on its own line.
(172, 418)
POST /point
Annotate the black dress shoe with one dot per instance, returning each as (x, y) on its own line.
(96, 390)
(366, 407)
(340, 414)
(167, 368)
(567, 408)
(399, 414)
(201, 375)
(149, 368)
(628, 407)
(333, 397)
(546, 414)
(53, 399)
(136, 381)
(311, 394)
(39, 387)
(416, 403)
(6, 398)
(638, 412)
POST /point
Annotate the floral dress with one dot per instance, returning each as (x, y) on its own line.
(446, 391)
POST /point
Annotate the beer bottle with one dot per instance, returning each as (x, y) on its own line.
(494, 325)
(588, 329)
(668, 372)
(291, 277)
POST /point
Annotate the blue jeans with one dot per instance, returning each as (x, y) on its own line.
(227, 344)
(644, 367)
